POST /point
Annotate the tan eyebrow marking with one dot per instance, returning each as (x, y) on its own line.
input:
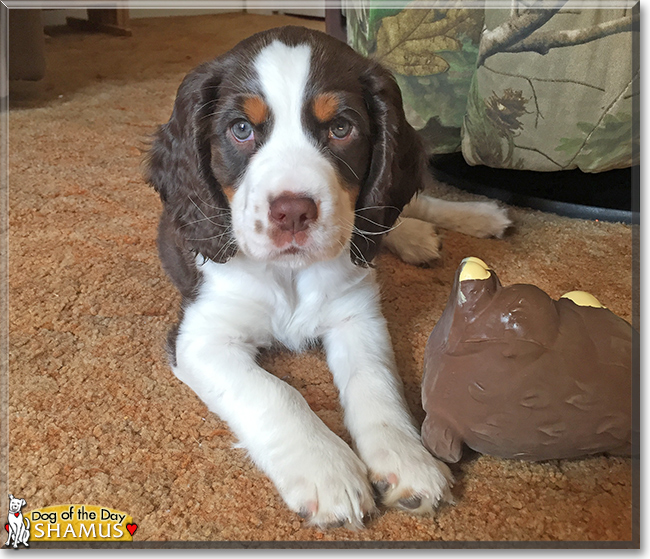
(325, 106)
(229, 191)
(256, 110)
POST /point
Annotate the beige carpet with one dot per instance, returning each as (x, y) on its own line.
(95, 414)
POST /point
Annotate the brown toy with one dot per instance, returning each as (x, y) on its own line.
(513, 373)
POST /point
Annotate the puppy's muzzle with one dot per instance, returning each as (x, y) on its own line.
(291, 215)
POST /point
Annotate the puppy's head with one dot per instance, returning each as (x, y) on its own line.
(290, 148)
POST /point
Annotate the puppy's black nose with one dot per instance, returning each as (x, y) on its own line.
(293, 213)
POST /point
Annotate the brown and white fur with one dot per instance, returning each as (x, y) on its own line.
(284, 163)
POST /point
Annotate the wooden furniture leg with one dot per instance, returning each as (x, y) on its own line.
(113, 21)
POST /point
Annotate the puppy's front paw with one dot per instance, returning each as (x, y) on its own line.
(327, 484)
(414, 241)
(405, 474)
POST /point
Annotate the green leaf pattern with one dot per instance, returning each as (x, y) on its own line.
(507, 114)
(432, 53)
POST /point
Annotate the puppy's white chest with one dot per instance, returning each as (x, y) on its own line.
(295, 320)
(271, 303)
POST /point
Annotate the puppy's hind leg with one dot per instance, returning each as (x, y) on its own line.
(414, 241)
(479, 219)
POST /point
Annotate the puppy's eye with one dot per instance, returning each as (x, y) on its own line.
(243, 131)
(340, 130)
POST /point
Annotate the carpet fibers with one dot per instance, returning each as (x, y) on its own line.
(95, 413)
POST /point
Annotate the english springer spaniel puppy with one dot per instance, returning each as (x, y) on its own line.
(284, 163)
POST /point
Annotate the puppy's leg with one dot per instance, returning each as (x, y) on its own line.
(316, 473)
(414, 241)
(360, 357)
(479, 219)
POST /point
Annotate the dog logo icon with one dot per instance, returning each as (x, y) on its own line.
(15, 525)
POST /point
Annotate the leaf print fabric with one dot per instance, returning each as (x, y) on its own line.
(432, 53)
(514, 88)
(558, 106)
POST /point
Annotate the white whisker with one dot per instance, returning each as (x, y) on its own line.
(226, 247)
(386, 227)
(210, 205)
(358, 252)
(203, 213)
(200, 220)
(344, 162)
(212, 237)
(376, 208)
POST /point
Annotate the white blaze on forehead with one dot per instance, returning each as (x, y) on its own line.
(290, 160)
(283, 71)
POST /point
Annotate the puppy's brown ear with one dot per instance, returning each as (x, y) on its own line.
(196, 214)
(397, 166)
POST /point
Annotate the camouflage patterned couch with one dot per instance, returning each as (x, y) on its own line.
(517, 88)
